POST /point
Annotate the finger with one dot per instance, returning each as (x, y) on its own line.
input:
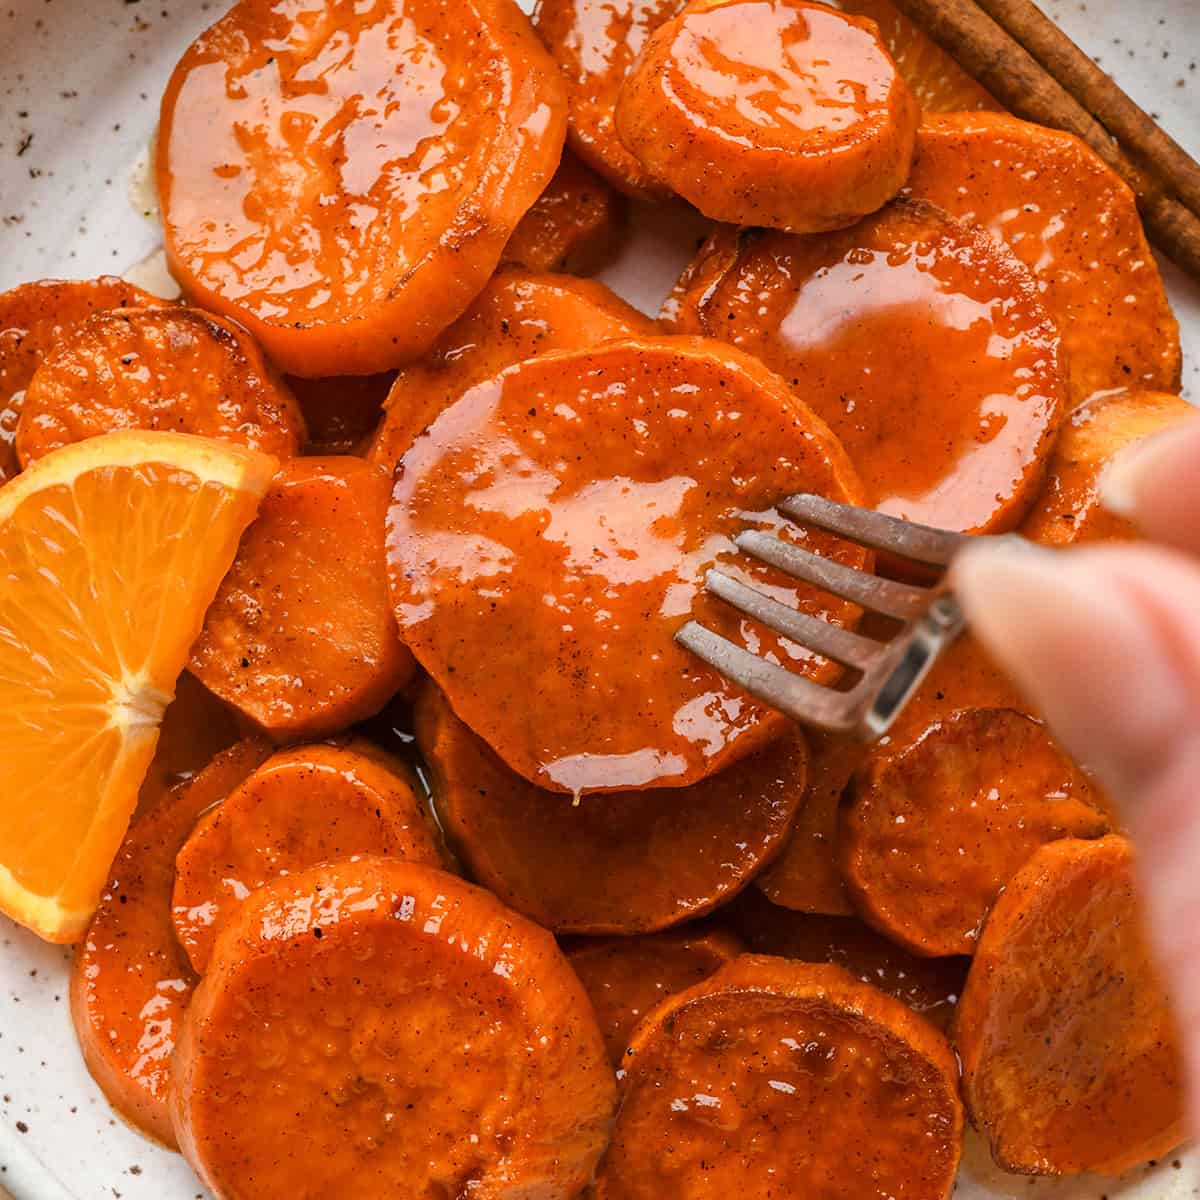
(1155, 483)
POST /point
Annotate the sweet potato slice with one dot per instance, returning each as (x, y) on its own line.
(33, 317)
(743, 108)
(778, 1078)
(935, 828)
(177, 369)
(630, 862)
(920, 340)
(302, 807)
(1074, 223)
(342, 178)
(626, 978)
(595, 43)
(1069, 509)
(574, 225)
(1070, 1053)
(301, 639)
(341, 413)
(130, 981)
(550, 533)
(433, 1043)
(520, 314)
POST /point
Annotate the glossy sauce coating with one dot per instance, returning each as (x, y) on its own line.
(780, 113)
(1070, 1053)
(380, 1029)
(343, 412)
(935, 828)
(550, 533)
(520, 314)
(595, 42)
(623, 863)
(130, 981)
(342, 178)
(302, 807)
(1074, 223)
(300, 638)
(176, 369)
(627, 978)
(778, 1078)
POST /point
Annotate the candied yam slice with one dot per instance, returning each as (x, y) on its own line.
(921, 341)
(1075, 224)
(174, 369)
(627, 978)
(110, 551)
(842, 1091)
(595, 42)
(624, 863)
(433, 1043)
(300, 638)
(551, 531)
(937, 826)
(130, 980)
(1069, 509)
(744, 108)
(1070, 1053)
(520, 314)
(302, 807)
(342, 178)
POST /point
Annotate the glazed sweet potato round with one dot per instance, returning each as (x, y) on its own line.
(937, 826)
(843, 1092)
(342, 178)
(302, 807)
(1075, 224)
(551, 531)
(130, 980)
(630, 862)
(781, 113)
(1070, 1053)
(300, 638)
(378, 1028)
(922, 342)
(177, 369)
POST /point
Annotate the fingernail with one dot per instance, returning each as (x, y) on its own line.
(1123, 480)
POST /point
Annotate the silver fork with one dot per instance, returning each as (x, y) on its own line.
(889, 671)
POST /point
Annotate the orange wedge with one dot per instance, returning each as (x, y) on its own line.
(110, 551)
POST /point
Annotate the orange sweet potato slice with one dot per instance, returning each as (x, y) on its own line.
(301, 639)
(177, 369)
(341, 413)
(130, 981)
(433, 1044)
(743, 108)
(302, 807)
(550, 533)
(342, 178)
(842, 1091)
(520, 314)
(595, 42)
(1069, 509)
(630, 862)
(574, 225)
(1074, 223)
(921, 341)
(626, 978)
(33, 317)
(936, 827)
(1070, 1053)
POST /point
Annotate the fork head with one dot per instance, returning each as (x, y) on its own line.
(886, 673)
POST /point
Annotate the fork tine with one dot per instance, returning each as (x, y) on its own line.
(885, 596)
(820, 636)
(797, 697)
(921, 543)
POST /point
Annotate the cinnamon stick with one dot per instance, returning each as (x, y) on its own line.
(1002, 65)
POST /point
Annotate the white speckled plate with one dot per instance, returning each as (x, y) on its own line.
(79, 87)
